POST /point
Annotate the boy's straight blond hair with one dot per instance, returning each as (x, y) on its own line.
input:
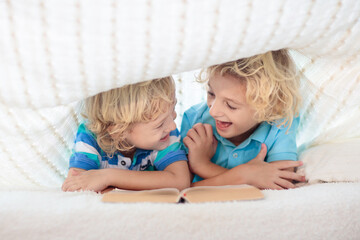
(272, 84)
(113, 112)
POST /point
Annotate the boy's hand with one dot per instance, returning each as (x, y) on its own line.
(201, 144)
(271, 175)
(93, 180)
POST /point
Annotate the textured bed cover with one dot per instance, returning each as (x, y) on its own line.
(319, 211)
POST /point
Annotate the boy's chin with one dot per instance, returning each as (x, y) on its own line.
(226, 136)
(162, 146)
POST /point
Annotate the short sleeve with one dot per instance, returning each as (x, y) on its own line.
(85, 153)
(284, 144)
(171, 154)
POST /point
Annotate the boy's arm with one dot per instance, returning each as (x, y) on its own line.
(285, 140)
(257, 173)
(198, 163)
(175, 175)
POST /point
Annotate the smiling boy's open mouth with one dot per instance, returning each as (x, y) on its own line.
(222, 125)
(164, 138)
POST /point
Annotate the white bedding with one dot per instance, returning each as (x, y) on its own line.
(54, 53)
(319, 211)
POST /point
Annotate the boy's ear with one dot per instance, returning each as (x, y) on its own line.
(124, 135)
(110, 131)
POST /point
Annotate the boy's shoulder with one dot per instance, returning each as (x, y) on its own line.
(197, 112)
(84, 131)
(285, 128)
(197, 108)
(273, 133)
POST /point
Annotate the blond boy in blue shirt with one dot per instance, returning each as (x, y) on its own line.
(246, 131)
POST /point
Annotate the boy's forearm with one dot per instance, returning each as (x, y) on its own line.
(143, 180)
(227, 177)
(208, 170)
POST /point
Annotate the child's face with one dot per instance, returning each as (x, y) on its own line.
(227, 102)
(153, 135)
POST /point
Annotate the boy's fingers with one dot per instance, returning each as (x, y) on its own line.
(187, 141)
(193, 135)
(262, 154)
(292, 176)
(274, 186)
(287, 164)
(74, 188)
(200, 129)
(108, 189)
(208, 130)
(284, 183)
(65, 187)
(214, 141)
(197, 124)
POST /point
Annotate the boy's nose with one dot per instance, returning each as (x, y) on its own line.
(172, 126)
(215, 110)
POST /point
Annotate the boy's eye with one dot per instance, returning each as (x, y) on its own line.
(232, 108)
(160, 126)
(210, 94)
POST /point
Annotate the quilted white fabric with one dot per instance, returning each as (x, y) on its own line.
(54, 53)
(321, 211)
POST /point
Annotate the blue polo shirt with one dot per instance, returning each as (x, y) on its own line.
(281, 145)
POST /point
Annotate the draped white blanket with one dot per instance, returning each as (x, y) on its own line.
(54, 53)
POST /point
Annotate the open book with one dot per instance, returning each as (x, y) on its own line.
(191, 195)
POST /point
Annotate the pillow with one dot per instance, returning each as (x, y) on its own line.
(332, 162)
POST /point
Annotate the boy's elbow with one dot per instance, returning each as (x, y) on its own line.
(182, 181)
(179, 175)
(185, 183)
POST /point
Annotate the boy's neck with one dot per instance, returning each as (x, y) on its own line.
(130, 154)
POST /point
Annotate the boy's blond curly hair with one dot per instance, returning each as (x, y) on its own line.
(111, 113)
(272, 84)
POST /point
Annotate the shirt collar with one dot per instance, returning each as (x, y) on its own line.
(138, 152)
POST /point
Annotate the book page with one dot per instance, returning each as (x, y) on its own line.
(221, 193)
(167, 195)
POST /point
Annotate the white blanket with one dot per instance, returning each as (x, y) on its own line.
(54, 53)
(319, 211)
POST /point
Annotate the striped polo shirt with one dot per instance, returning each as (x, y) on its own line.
(87, 154)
